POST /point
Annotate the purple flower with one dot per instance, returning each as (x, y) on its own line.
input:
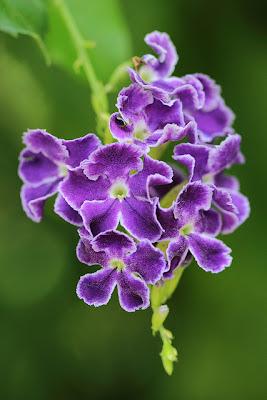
(43, 165)
(146, 121)
(190, 225)
(114, 186)
(153, 68)
(200, 95)
(207, 163)
(124, 264)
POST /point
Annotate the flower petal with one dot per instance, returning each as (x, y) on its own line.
(100, 215)
(77, 188)
(163, 46)
(147, 261)
(36, 169)
(87, 255)
(200, 154)
(194, 197)
(96, 289)
(210, 222)
(211, 91)
(213, 123)
(223, 200)
(132, 100)
(139, 218)
(40, 141)
(65, 211)
(154, 172)
(176, 254)
(114, 160)
(33, 198)
(226, 181)
(224, 155)
(119, 128)
(169, 223)
(80, 149)
(133, 292)
(114, 242)
(211, 254)
(159, 115)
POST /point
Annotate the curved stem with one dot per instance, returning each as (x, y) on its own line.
(99, 97)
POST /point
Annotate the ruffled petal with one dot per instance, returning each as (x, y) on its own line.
(190, 91)
(211, 254)
(168, 222)
(210, 222)
(33, 198)
(132, 100)
(139, 218)
(100, 215)
(147, 261)
(154, 172)
(231, 221)
(224, 155)
(133, 292)
(36, 169)
(77, 188)
(164, 65)
(194, 197)
(80, 149)
(213, 123)
(223, 200)
(176, 254)
(65, 211)
(115, 243)
(199, 153)
(211, 91)
(159, 190)
(158, 115)
(115, 161)
(96, 289)
(87, 255)
(40, 141)
(120, 129)
(226, 181)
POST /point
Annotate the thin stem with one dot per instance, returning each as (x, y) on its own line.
(99, 97)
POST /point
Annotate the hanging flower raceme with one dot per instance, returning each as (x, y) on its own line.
(140, 219)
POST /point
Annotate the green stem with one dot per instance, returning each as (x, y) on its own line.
(99, 97)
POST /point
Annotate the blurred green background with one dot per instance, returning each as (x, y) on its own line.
(52, 345)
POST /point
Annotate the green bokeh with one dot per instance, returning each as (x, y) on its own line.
(55, 347)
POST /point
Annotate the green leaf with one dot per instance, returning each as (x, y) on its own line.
(99, 22)
(25, 17)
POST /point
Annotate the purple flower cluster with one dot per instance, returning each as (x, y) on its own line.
(113, 192)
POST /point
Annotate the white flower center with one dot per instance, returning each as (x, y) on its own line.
(117, 263)
(140, 131)
(186, 229)
(119, 190)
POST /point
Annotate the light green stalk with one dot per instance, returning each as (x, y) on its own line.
(99, 96)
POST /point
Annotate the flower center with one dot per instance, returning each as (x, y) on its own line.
(140, 131)
(63, 170)
(117, 263)
(208, 178)
(146, 73)
(119, 190)
(186, 229)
